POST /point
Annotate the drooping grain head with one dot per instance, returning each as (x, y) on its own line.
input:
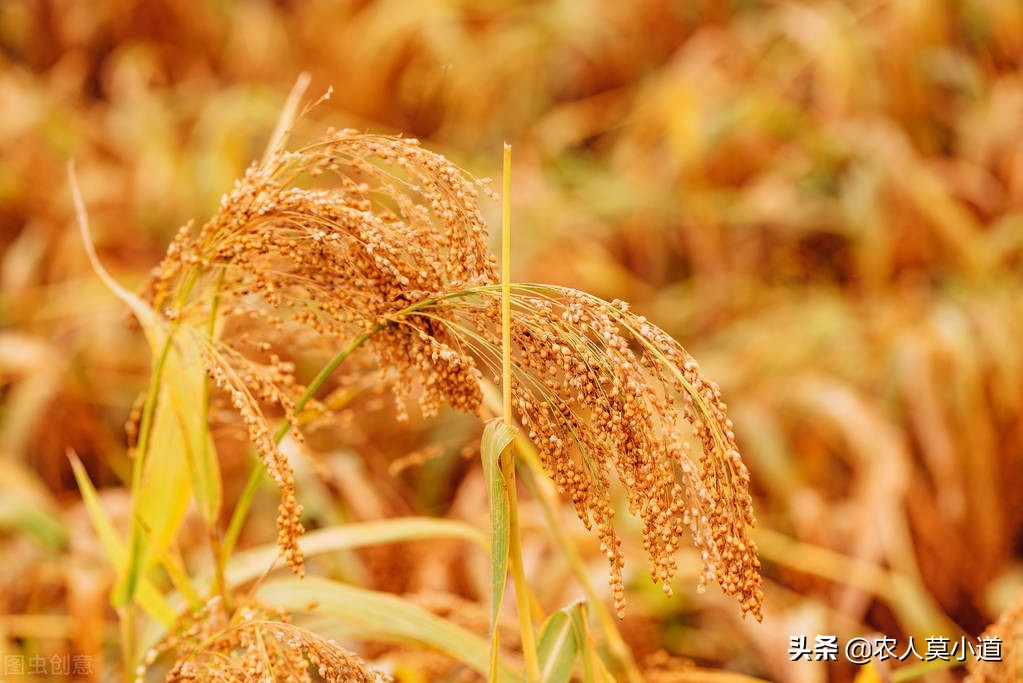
(600, 391)
(394, 250)
(318, 266)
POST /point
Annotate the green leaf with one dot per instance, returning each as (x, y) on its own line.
(160, 496)
(594, 670)
(254, 563)
(128, 570)
(179, 459)
(160, 489)
(558, 647)
(164, 489)
(147, 596)
(496, 437)
(372, 615)
(185, 381)
(251, 564)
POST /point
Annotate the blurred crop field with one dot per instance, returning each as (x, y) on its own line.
(821, 200)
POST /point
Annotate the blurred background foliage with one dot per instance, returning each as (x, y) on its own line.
(822, 200)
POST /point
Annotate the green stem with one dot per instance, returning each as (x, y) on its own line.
(506, 369)
(508, 456)
(125, 590)
(241, 509)
(220, 586)
(146, 420)
(126, 620)
(518, 572)
(326, 372)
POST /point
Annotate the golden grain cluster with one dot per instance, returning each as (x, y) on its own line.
(256, 643)
(374, 242)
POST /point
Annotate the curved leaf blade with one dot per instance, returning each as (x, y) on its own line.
(496, 438)
(369, 614)
(252, 564)
(558, 647)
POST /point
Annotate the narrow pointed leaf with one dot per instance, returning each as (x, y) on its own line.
(164, 500)
(254, 562)
(372, 615)
(186, 386)
(558, 647)
(594, 670)
(147, 596)
(496, 437)
(251, 564)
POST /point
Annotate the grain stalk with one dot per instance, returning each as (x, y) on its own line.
(394, 261)
(508, 455)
